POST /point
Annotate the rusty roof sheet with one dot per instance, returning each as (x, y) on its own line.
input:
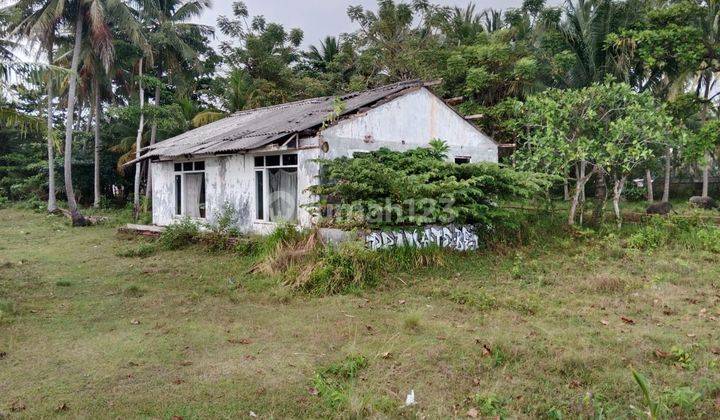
(248, 130)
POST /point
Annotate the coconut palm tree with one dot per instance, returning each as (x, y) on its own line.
(38, 22)
(464, 25)
(320, 58)
(90, 20)
(586, 26)
(710, 23)
(175, 44)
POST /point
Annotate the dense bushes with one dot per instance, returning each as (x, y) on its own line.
(417, 187)
(179, 235)
(682, 232)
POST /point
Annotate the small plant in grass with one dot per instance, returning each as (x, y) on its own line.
(143, 250)
(63, 283)
(179, 235)
(333, 382)
(654, 409)
(682, 358)
(708, 239)
(490, 405)
(133, 291)
(473, 298)
(650, 237)
(222, 230)
(412, 322)
(683, 397)
(7, 309)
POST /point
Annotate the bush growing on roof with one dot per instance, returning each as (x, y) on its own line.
(417, 187)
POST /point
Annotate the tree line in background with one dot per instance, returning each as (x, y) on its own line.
(597, 92)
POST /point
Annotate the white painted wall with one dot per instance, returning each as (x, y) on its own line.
(409, 122)
(405, 123)
(229, 179)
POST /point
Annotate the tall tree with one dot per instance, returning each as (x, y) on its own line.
(91, 19)
(176, 45)
(38, 21)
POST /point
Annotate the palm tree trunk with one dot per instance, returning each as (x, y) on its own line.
(668, 169)
(96, 174)
(706, 168)
(77, 218)
(138, 143)
(649, 181)
(153, 139)
(52, 200)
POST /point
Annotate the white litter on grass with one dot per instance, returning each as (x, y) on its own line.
(410, 399)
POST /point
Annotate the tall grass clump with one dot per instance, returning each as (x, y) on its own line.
(306, 264)
(333, 383)
(179, 235)
(691, 234)
(7, 309)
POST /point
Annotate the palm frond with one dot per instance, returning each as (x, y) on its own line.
(207, 117)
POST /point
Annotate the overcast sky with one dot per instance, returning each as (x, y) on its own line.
(320, 18)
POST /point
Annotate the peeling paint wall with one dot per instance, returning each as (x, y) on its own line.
(228, 179)
(409, 122)
(405, 123)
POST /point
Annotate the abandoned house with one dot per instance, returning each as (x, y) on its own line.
(260, 162)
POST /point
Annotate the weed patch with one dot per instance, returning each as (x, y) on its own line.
(143, 250)
(334, 382)
(179, 235)
(8, 309)
(133, 291)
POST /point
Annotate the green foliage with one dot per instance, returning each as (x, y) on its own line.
(143, 250)
(635, 193)
(607, 127)
(221, 233)
(678, 231)
(350, 267)
(7, 309)
(179, 234)
(333, 383)
(417, 187)
(652, 236)
(655, 408)
(683, 397)
(490, 405)
(682, 358)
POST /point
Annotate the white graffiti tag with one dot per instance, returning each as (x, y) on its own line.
(458, 238)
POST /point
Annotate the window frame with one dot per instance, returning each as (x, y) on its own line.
(182, 172)
(264, 168)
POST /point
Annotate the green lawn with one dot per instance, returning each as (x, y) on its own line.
(550, 328)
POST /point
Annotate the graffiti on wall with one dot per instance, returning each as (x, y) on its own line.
(461, 238)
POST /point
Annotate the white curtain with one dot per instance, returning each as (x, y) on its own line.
(283, 195)
(193, 188)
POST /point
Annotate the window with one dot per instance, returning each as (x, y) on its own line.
(190, 191)
(276, 177)
(260, 195)
(462, 160)
(178, 195)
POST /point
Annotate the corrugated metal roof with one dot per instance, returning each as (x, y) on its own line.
(247, 130)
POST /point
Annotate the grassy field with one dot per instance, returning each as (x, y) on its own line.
(553, 328)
